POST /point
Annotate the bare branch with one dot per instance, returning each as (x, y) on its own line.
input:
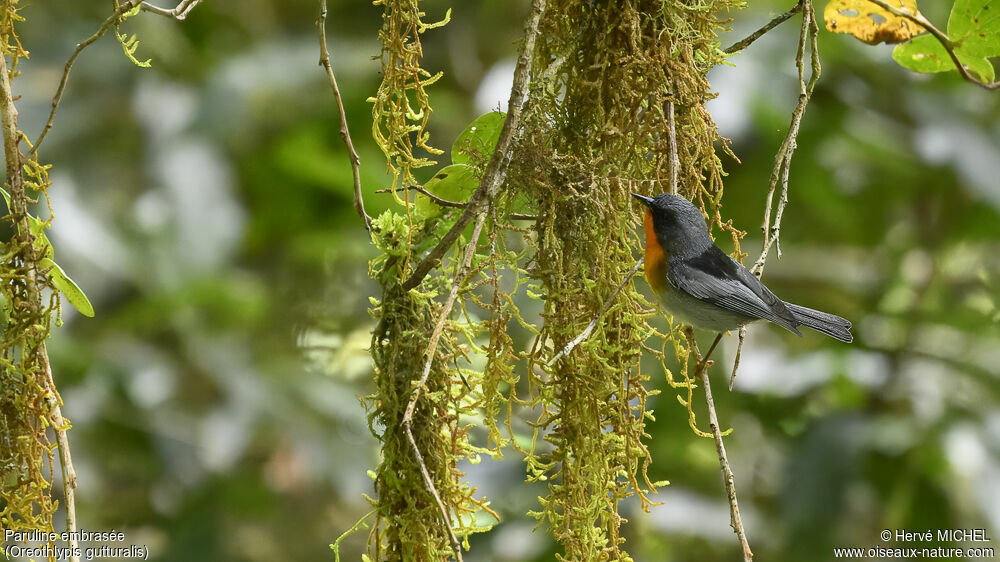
(108, 23)
(179, 13)
(597, 318)
(713, 420)
(675, 162)
(744, 43)
(783, 159)
(923, 22)
(497, 167)
(736, 361)
(345, 133)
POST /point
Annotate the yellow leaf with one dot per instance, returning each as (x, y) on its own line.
(869, 22)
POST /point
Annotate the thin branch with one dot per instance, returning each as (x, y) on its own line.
(19, 212)
(783, 159)
(178, 13)
(597, 318)
(57, 99)
(497, 167)
(736, 361)
(455, 204)
(923, 22)
(744, 43)
(713, 420)
(675, 162)
(60, 425)
(345, 133)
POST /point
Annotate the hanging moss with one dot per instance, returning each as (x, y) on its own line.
(595, 127)
(596, 131)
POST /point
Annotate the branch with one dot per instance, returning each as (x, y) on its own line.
(456, 204)
(178, 13)
(783, 159)
(744, 43)
(675, 162)
(713, 420)
(923, 22)
(497, 167)
(345, 133)
(19, 215)
(593, 323)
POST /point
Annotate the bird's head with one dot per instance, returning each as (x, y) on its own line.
(678, 225)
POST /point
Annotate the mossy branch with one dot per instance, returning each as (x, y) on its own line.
(31, 257)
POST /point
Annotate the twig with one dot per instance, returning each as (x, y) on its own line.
(57, 99)
(496, 169)
(744, 43)
(345, 133)
(713, 420)
(455, 204)
(783, 159)
(593, 323)
(675, 162)
(65, 458)
(19, 212)
(178, 13)
(923, 22)
(736, 361)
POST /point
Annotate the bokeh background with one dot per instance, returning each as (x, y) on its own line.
(204, 204)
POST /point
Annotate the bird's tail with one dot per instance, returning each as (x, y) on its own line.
(829, 324)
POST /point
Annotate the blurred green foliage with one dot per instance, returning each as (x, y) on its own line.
(205, 205)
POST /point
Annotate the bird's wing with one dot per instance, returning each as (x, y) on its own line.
(716, 278)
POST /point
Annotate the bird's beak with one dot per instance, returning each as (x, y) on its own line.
(647, 201)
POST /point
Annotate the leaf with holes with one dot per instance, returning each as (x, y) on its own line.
(453, 183)
(68, 287)
(870, 23)
(477, 141)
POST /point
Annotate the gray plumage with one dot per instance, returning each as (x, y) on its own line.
(710, 290)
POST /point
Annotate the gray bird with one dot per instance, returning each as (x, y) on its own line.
(703, 287)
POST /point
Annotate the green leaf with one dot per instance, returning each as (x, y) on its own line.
(454, 183)
(974, 29)
(477, 141)
(73, 293)
(974, 26)
(926, 54)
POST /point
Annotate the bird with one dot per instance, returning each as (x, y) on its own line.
(702, 286)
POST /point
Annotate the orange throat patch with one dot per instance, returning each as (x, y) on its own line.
(655, 262)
